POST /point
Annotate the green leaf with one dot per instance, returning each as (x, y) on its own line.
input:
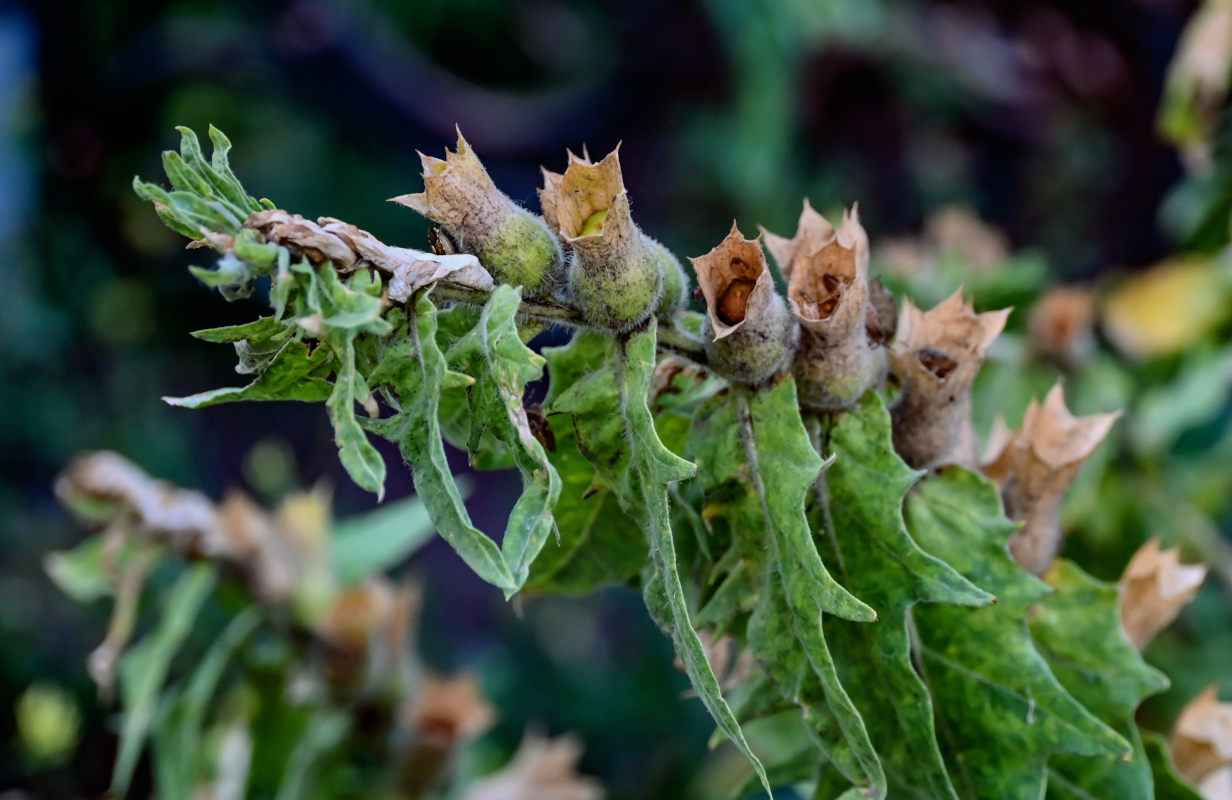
(379, 540)
(1168, 784)
(293, 374)
(760, 467)
(1078, 630)
(616, 431)
(177, 730)
(414, 368)
(999, 708)
(495, 356)
(324, 732)
(863, 542)
(81, 573)
(263, 329)
(143, 669)
(361, 460)
(224, 180)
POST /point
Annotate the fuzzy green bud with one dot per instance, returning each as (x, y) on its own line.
(513, 244)
(615, 272)
(748, 333)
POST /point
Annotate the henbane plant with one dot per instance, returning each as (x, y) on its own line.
(782, 472)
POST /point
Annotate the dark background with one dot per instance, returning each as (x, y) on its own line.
(1038, 114)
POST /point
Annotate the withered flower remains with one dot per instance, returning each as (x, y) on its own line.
(1154, 589)
(511, 242)
(936, 357)
(1035, 466)
(828, 291)
(748, 333)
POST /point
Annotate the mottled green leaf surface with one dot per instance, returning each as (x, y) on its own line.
(863, 541)
(1078, 630)
(501, 364)
(1000, 711)
(616, 432)
(760, 468)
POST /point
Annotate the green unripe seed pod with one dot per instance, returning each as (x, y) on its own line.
(614, 275)
(675, 282)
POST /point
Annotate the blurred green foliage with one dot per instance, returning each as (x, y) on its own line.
(891, 103)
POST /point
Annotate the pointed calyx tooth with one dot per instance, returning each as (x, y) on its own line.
(1201, 741)
(748, 333)
(1154, 588)
(812, 230)
(1035, 467)
(936, 357)
(615, 273)
(511, 242)
(839, 357)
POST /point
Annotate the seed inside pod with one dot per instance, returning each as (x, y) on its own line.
(735, 300)
(937, 362)
(594, 224)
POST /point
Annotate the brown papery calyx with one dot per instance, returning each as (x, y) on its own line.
(1035, 467)
(936, 357)
(828, 292)
(748, 333)
(1154, 589)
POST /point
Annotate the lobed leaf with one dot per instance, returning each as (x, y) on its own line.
(494, 355)
(863, 542)
(1078, 630)
(414, 368)
(1000, 710)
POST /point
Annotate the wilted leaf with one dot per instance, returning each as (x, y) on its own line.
(295, 373)
(493, 354)
(414, 369)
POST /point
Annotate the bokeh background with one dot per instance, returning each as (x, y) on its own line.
(1039, 116)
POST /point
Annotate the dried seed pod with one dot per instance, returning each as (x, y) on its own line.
(615, 273)
(543, 769)
(936, 356)
(1201, 741)
(828, 291)
(1062, 325)
(1154, 588)
(513, 244)
(1036, 466)
(446, 714)
(748, 333)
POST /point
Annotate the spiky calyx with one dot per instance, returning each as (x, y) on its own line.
(936, 357)
(1035, 467)
(828, 292)
(513, 244)
(748, 333)
(615, 272)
